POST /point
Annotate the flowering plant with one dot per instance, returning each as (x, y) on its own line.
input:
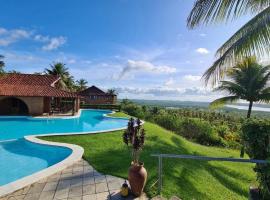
(133, 137)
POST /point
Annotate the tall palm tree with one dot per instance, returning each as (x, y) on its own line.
(81, 84)
(249, 81)
(2, 64)
(60, 69)
(251, 39)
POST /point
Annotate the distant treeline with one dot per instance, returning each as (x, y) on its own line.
(202, 106)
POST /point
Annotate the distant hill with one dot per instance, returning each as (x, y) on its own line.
(202, 105)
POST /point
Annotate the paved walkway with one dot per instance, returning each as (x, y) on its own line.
(78, 182)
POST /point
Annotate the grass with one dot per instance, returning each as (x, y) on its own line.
(188, 179)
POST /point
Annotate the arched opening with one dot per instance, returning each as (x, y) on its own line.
(13, 106)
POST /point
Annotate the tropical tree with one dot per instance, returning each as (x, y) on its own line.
(81, 84)
(249, 81)
(251, 39)
(111, 91)
(14, 72)
(2, 64)
(60, 69)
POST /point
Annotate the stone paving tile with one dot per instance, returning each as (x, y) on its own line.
(76, 182)
(90, 197)
(114, 185)
(75, 198)
(100, 179)
(61, 194)
(79, 181)
(32, 196)
(75, 191)
(103, 195)
(36, 188)
(50, 186)
(47, 195)
(101, 187)
(89, 189)
(88, 180)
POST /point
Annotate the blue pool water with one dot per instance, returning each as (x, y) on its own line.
(88, 121)
(20, 158)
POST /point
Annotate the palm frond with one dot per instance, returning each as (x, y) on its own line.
(265, 98)
(252, 39)
(231, 87)
(222, 101)
(205, 12)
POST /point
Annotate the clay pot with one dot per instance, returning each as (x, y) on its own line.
(137, 176)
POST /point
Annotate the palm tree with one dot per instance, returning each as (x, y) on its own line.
(111, 91)
(14, 72)
(2, 64)
(249, 81)
(81, 84)
(60, 69)
(251, 39)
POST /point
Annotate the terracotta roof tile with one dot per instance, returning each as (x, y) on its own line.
(28, 79)
(92, 90)
(31, 85)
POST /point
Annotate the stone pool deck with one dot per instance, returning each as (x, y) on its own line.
(78, 182)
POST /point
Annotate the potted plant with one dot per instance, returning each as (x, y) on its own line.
(133, 137)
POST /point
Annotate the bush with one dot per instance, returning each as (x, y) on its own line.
(256, 138)
(169, 122)
(133, 110)
(200, 131)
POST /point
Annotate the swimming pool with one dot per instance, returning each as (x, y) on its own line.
(16, 153)
(89, 121)
(21, 158)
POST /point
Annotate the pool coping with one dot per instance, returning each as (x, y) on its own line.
(75, 156)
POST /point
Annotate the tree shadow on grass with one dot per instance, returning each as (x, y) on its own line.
(177, 173)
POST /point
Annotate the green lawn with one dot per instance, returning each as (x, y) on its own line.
(188, 179)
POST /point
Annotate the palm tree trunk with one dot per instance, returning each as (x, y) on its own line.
(249, 109)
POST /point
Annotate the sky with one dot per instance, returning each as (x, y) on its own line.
(141, 48)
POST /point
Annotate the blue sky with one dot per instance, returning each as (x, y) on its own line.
(141, 47)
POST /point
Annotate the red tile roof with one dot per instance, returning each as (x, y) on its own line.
(28, 79)
(31, 85)
(93, 90)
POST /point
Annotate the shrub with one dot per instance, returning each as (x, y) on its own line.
(256, 138)
(199, 131)
(222, 130)
(169, 122)
(134, 110)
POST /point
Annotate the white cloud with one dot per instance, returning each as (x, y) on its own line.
(71, 61)
(165, 91)
(8, 37)
(133, 66)
(54, 43)
(202, 51)
(169, 82)
(3, 31)
(11, 36)
(192, 78)
(202, 35)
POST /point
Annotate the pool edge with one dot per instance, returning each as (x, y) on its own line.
(75, 156)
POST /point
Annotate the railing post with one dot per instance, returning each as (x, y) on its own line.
(159, 173)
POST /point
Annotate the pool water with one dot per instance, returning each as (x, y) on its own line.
(88, 121)
(20, 158)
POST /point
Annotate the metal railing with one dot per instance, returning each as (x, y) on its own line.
(205, 158)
